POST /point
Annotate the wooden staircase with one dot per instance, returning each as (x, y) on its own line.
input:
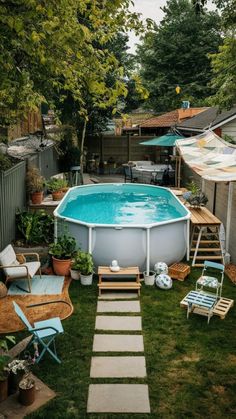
(205, 241)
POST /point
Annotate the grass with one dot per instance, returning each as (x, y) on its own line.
(191, 366)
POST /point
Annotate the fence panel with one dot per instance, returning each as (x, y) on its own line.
(12, 197)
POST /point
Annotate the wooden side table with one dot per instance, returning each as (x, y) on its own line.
(115, 279)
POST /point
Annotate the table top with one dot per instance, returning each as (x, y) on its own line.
(105, 270)
(200, 299)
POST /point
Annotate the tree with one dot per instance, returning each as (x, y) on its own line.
(56, 51)
(176, 53)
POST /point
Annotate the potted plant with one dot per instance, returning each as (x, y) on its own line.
(4, 360)
(74, 268)
(27, 390)
(149, 278)
(85, 266)
(35, 185)
(194, 196)
(62, 252)
(16, 370)
(57, 187)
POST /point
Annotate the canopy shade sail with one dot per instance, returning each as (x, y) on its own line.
(167, 140)
(209, 156)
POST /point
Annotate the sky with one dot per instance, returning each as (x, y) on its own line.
(149, 9)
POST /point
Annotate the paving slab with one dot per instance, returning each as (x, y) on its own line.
(118, 295)
(118, 323)
(118, 366)
(118, 307)
(118, 343)
(118, 398)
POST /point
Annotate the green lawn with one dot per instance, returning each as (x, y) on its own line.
(191, 366)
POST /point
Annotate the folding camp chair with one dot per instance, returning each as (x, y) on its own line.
(44, 332)
(211, 282)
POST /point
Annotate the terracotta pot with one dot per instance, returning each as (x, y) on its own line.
(61, 267)
(13, 382)
(36, 198)
(3, 389)
(27, 395)
(57, 195)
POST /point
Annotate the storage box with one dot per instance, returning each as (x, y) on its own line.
(179, 271)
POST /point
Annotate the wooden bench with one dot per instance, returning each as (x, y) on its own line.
(113, 280)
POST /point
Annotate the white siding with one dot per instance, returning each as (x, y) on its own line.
(230, 129)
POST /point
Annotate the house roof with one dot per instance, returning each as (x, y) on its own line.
(170, 119)
(210, 118)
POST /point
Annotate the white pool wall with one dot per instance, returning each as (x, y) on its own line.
(133, 245)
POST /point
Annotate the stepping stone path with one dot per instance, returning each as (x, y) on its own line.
(118, 398)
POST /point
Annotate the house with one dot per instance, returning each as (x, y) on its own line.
(222, 123)
(160, 125)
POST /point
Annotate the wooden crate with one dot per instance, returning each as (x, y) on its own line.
(179, 271)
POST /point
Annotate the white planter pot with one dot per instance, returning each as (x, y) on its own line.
(149, 279)
(86, 279)
(74, 274)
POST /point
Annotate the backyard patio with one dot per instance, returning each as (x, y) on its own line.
(190, 365)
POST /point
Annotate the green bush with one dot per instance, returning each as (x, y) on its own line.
(5, 162)
(35, 227)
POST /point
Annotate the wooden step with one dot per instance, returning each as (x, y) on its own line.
(206, 241)
(208, 257)
(206, 249)
(119, 285)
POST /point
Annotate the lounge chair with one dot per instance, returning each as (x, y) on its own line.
(13, 269)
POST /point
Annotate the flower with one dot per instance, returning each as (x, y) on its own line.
(18, 366)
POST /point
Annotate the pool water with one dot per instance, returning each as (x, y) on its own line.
(121, 204)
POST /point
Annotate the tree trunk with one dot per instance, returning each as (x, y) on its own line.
(82, 150)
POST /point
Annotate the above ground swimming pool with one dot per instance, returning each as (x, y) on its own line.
(138, 225)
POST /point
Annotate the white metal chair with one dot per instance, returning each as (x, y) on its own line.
(211, 282)
(13, 269)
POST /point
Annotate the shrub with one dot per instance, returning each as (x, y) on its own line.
(35, 227)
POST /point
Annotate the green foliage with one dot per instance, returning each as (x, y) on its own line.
(175, 53)
(5, 162)
(35, 227)
(4, 358)
(224, 73)
(34, 181)
(54, 184)
(84, 263)
(63, 248)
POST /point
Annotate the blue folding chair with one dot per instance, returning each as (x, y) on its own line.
(44, 333)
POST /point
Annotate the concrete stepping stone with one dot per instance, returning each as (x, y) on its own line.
(118, 306)
(118, 295)
(118, 398)
(118, 343)
(118, 366)
(118, 323)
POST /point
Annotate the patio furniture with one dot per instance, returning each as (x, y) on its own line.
(43, 332)
(13, 269)
(108, 279)
(211, 282)
(200, 303)
(128, 173)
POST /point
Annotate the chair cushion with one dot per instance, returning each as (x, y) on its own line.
(21, 272)
(208, 281)
(8, 256)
